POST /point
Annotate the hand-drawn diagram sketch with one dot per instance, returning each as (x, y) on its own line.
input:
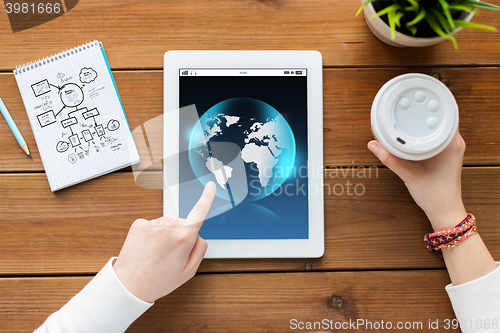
(84, 129)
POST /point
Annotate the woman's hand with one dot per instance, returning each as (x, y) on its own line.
(434, 184)
(160, 255)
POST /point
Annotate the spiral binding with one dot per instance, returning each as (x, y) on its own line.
(24, 68)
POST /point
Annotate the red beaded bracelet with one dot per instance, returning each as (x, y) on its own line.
(457, 241)
(451, 237)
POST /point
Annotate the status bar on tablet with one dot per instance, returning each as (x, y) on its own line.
(242, 72)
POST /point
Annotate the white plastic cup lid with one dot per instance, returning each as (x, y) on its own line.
(414, 116)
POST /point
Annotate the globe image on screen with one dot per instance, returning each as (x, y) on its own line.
(245, 146)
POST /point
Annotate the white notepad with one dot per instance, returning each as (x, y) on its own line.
(76, 115)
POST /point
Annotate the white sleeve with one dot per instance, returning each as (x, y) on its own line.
(103, 306)
(477, 303)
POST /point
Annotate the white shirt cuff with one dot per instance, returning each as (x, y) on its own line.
(477, 303)
(104, 305)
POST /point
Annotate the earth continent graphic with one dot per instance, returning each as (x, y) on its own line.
(245, 146)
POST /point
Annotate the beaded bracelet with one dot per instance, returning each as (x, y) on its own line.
(457, 241)
(448, 235)
(451, 237)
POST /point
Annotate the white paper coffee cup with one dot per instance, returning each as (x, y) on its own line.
(414, 116)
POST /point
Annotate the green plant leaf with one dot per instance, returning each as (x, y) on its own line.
(481, 5)
(412, 29)
(398, 17)
(394, 18)
(366, 3)
(439, 19)
(418, 18)
(387, 10)
(392, 24)
(463, 24)
(447, 13)
(414, 5)
(461, 8)
(433, 24)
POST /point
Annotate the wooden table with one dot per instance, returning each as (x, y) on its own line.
(375, 265)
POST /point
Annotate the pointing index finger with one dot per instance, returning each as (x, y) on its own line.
(202, 207)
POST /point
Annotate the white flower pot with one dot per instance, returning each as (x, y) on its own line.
(383, 32)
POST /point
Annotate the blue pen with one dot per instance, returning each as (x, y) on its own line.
(13, 128)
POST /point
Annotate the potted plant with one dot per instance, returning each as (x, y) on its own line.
(421, 22)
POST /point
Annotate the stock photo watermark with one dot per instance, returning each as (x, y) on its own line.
(25, 14)
(339, 180)
(348, 180)
(252, 179)
(365, 324)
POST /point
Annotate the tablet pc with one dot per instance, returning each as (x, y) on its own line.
(251, 122)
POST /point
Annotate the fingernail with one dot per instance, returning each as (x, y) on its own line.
(373, 147)
(210, 185)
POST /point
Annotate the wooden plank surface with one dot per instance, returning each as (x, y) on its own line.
(255, 302)
(348, 94)
(76, 230)
(136, 34)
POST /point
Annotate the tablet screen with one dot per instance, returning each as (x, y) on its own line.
(248, 136)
